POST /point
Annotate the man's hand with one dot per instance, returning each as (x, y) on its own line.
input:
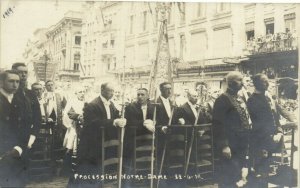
(148, 123)
(120, 122)
(164, 129)
(226, 152)
(181, 121)
(277, 137)
(31, 141)
(80, 118)
(50, 120)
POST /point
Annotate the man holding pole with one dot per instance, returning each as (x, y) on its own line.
(164, 109)
(139, 117)
(187, 113)
(97, 114)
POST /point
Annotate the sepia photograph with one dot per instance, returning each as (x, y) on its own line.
(151, 94)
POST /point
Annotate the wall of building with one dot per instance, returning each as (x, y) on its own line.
(65, 46)
(200, 34)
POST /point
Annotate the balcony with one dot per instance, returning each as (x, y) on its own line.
(108, 48)
(270, 43)
(69, 72)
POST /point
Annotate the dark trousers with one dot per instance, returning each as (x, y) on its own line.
(12, 172)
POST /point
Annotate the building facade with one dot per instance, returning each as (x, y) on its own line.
(65, 46)
(271, 40)
(206, 40)
(61, 43)
(34, 51)
(103, 40)
(200, 36)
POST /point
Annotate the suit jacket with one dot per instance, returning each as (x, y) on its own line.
(10, 123)
(265, 120)
(134, 116)
(95, 118)
(227, 126)
(187, 114)
(11, 135)
(162, 117)
(30, 112)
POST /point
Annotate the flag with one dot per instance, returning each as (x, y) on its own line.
(161, 70)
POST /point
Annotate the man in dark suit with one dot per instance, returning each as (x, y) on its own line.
(11, 141)
(97, 114)
(266, 134)
(231, 125)
(30, 107)
(187, 113)
(165, 107)
(139, 114)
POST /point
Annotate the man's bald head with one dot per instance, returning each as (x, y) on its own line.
(234, 80)
(192, 96)
(107, 90)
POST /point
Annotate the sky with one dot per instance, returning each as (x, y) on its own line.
(27, 16)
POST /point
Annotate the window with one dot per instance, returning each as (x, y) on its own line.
(172, 47)
(289, 21)
(144, 20)
(104, 45)
(143, 54)
(270, 28)
(200, 10)
(108, 63)
(250, 30)
(181, 7)
(112, 40)
(156, 19)
(76, 61)
(222, 49)
(76, 66)
(198, 46)
(223, 7)
(250, 35)
(182, 47)
(131, 24)
(115, 63)
(269, 22)
(85, 50)
(170, 15)
(130, 54)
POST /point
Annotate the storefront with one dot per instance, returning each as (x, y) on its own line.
(274, 65)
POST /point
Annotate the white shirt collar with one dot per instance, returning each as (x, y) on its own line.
(192, 105)
(164, 99)
(105, 102)
(8, 96)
